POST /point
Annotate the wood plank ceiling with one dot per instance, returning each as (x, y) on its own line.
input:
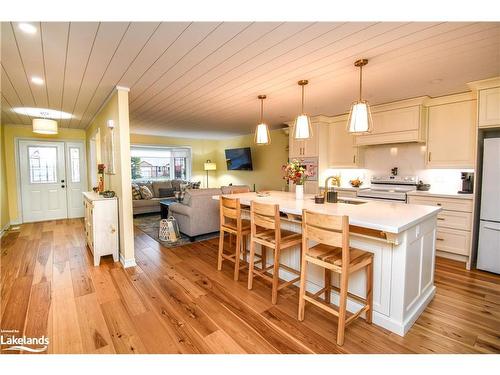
(202, 79)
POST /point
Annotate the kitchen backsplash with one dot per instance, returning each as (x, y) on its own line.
(410, 160)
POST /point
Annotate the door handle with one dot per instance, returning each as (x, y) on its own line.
(62, 181)
(63, 186)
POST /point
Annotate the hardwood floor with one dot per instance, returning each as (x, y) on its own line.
(175, 301)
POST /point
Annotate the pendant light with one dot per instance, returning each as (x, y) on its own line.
(360, 118)
(262, 136)
(302, 126)
(44, 126)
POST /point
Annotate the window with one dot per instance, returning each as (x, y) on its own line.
(42, 164)
(160, 163)
(74, 154)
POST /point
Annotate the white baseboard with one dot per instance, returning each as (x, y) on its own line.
(127, 262)
(4, 229)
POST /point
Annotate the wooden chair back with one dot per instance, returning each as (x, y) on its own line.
(332, 230)
(239, 189)
(266, 216)
(230, 212)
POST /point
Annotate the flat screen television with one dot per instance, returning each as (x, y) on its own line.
(239, 159)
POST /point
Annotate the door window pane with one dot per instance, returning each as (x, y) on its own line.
(42, 164)
(74, 154)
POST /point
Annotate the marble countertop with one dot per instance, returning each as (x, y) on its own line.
(441, 194)
(384, 216)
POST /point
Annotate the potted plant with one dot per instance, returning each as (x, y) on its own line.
(295, 172)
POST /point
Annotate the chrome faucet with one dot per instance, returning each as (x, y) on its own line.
(335, 179)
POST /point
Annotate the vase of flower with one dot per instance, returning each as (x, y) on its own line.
(299, 192)
(295, 172)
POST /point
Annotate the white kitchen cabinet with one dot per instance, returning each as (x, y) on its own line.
(304, 148)
(404, 121)
(454, 223)
(489, 107)
(101, 225)
(342, 152)
(451, 135)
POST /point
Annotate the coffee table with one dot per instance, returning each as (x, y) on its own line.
(164, 203)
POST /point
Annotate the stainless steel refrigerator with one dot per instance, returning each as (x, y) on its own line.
(488, 256)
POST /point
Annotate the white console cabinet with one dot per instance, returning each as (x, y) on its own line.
(101, 225)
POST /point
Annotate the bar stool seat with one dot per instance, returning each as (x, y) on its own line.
(288, 238)
(333, 255)
(232, 225)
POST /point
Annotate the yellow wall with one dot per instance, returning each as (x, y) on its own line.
(201, 151)
(116, 109)
(267, 162)
(10, 133)
(4, 217)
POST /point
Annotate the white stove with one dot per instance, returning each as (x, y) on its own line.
(389, 188)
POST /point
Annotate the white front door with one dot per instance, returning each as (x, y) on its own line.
(43, 180)
(76, 178)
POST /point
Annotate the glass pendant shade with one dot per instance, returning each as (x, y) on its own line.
(302, 127)
(44, 126)
(262, 136)
(360, 118)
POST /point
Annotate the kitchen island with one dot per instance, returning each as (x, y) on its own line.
(401, 237)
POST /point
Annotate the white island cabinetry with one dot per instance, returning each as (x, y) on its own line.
(401, 237)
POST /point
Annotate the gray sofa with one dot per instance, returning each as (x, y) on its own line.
(144, 206)
(198, 213)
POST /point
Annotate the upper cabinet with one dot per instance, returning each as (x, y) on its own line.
(451, 132)
(489, 107)
(304, 148)
(403, 121)
(341, 150)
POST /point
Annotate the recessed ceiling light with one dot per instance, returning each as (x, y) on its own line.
(27, 28)
(435, 81)
(37, 80)
(42, 112)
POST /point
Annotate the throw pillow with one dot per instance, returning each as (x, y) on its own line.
(136, 193)
(146, 193)
(179, 195)
(195, 185)
(166, 192)
(187, 198)
(184, 186)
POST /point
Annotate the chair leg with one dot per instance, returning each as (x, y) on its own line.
(263, 253)
(369, 292)
(221, 250)
(302, 291)
(328, 285)
(342, 307)
(237, 257)
(276, 275)
(251, 265)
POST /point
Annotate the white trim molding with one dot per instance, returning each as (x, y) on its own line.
(4, 229)
(127, 262)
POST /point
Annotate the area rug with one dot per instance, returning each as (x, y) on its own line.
(150, 224)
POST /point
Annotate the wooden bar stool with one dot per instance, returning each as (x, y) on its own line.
(232, 223)
(266, 230)
(333, 253)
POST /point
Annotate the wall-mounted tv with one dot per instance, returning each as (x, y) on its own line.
(239, 159)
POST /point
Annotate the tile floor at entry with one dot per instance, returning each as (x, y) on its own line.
(175, 301)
